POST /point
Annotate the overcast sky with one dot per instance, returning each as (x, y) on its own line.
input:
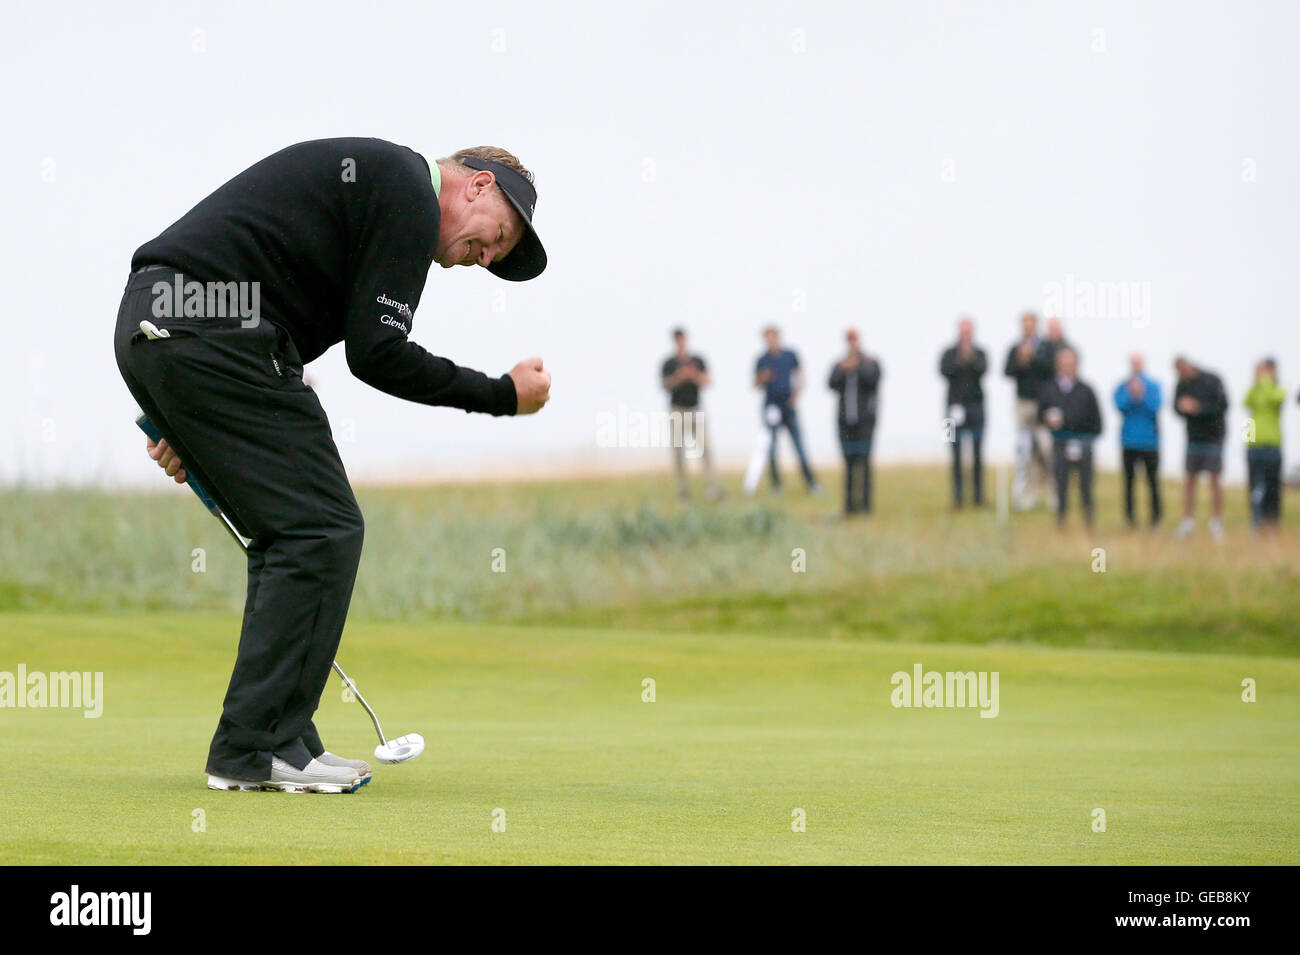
(722, 166)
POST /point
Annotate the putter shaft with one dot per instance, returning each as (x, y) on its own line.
(149, 428)
(360, 699)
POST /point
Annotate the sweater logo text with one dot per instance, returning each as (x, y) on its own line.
(402, 308)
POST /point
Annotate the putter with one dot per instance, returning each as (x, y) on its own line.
(397, 750)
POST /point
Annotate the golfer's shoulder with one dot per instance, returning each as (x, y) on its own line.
(360, 161)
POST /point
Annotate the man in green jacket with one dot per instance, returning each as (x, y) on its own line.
(1264, 448)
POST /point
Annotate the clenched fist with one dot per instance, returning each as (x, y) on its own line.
(532, 385)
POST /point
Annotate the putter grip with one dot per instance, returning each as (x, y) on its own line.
(149, 428)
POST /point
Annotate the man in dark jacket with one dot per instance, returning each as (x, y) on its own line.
(856, 378)
(324, 242)
(1069, 407)
(1202, 401)
(1029, 364)
(964, 365)
(683, 374)
(1055, 341)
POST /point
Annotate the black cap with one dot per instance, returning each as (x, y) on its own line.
(527, 259)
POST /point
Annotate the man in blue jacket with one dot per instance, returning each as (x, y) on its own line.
(778, 373)
(1138, 401)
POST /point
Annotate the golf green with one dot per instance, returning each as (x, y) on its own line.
(543, 749)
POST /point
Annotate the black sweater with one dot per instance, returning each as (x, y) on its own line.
(1078, 406)
(340, 234)
(1209, 425)
(964, 387)
(857, 391)
(1030, 378)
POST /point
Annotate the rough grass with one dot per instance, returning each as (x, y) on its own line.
(605, 552)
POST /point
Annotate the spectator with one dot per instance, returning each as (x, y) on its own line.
(778, 373)
(964, 365)
(1069, 407)
(856, 378)
(1202, 401)
(1138, 401)
(1055, 341)
(1264, 453)
(1028, 363)
(683, 376)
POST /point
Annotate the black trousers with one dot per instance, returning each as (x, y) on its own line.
(232, 403)
(856, 446)
(1062, 466)
(1150, 461)
(1264, 481)
(976, 436)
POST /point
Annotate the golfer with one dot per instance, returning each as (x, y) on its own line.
(324, 242)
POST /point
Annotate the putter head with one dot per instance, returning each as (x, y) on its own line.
(401, 749)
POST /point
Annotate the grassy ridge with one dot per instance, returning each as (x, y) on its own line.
(599, 552)
(1179, 610)
(548, 724)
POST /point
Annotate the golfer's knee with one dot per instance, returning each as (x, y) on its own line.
(343, 541)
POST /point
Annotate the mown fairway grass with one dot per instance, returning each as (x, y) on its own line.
(1119, 690)
(548, 724)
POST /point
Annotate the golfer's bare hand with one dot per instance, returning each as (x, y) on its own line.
(166, 458)
(532, 385)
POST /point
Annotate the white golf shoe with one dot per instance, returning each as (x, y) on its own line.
(361, 767)
(315, 777)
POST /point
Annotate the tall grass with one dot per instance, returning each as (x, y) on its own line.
(625, 552)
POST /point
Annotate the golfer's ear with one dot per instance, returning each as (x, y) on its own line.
(480, 183)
